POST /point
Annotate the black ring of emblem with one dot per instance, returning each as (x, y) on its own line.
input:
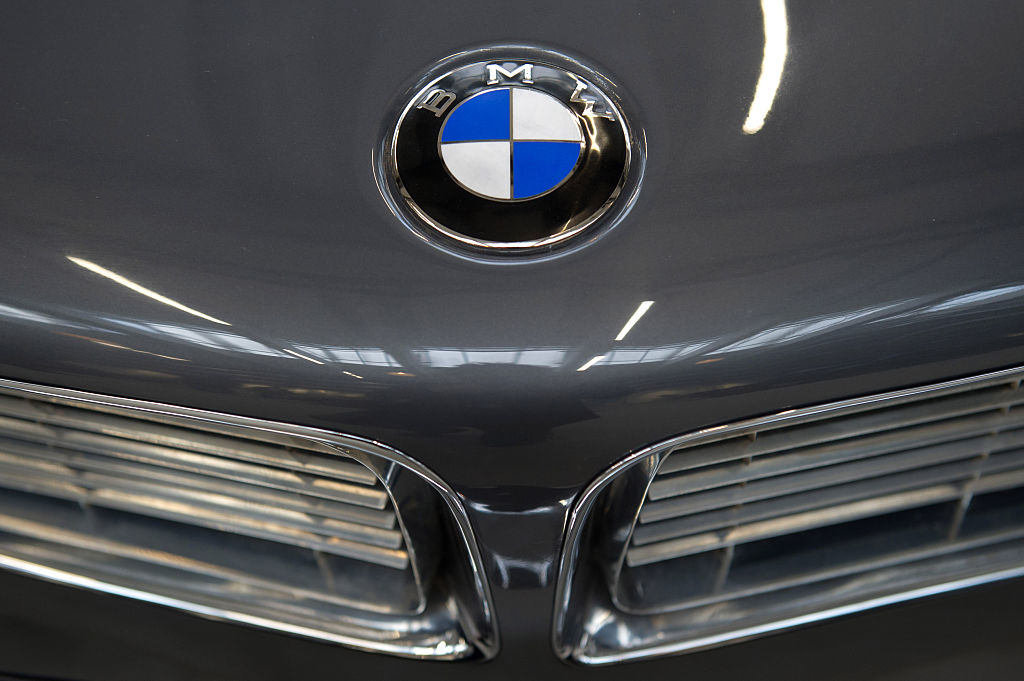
(606, 169)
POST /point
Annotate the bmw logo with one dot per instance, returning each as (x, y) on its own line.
(510, 150)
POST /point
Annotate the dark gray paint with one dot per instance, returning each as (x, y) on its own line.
(868, 238)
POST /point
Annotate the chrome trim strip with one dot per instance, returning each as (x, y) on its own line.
(487, 642)
(71, 579)
(568, 560)
(751, 632)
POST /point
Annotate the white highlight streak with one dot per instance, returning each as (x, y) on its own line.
(128, 283)
(591, 362)
(641, 310)
(776, 47)
(308, 359)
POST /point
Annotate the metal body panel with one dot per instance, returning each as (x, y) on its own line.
(867, 238)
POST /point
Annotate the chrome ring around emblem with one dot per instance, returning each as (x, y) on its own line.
(510, 150)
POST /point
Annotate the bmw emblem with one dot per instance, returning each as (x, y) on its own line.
(510, 150)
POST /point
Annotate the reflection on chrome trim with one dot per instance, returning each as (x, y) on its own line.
(751, 632)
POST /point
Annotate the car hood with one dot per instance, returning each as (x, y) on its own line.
(866, 238)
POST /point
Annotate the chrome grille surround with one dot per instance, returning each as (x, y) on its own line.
(285, 527)
(756, 526)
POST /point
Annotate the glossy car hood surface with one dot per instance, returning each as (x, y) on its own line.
(868, 237)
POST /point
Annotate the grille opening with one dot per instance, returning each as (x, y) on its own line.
(807, 514)
(328, 504)
(251, 563)
(790, 506)
(992, 512)
(775, 490)
(825, 549)
(640, 588)
(324, 536)
(802, 557)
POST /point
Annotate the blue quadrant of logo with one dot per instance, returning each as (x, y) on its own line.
(483, 117)
(539, 166)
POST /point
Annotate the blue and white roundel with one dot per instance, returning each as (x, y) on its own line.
(511, 143)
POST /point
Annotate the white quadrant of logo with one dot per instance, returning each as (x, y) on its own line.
(511, 143)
